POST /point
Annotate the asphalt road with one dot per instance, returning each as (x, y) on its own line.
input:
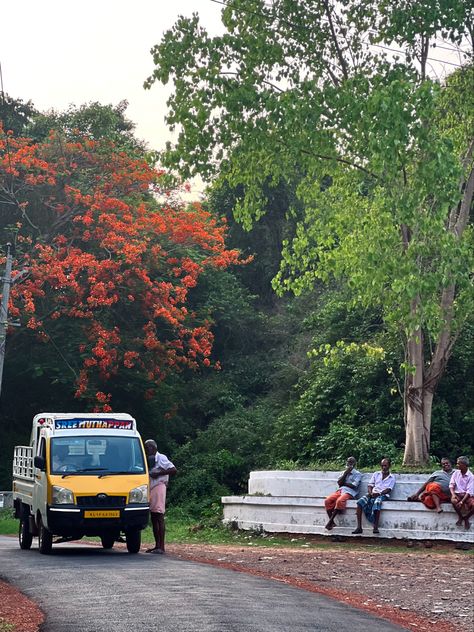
(82, 588)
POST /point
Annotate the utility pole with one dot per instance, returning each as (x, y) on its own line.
(4, 324)
(7, 281)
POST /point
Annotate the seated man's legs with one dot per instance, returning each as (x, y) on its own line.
(464, 510)
(361, 503)
(338, 502)
(376, 510)
(469, 512)
(433, 496)
(371, 508)
(330, 502)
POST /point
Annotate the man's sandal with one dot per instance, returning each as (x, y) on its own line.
(156, 551)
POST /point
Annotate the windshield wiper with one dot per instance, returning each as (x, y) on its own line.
(93, 469)
(86, 469)
(110, 473)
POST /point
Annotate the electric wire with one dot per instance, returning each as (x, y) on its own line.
(394, 50)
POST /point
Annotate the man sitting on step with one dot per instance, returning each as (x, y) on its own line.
(379, 488)
(348, 483)
(436, 489)
(462, 492)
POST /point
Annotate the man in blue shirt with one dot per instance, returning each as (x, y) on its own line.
(348, 483)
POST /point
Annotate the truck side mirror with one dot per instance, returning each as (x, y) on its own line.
(40, 463)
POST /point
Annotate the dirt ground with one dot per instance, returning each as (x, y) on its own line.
(18, 610)
(420, 589)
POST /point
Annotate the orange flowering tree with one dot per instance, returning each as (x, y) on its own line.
(110, 257)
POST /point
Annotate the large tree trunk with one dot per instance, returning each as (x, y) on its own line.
(421, 384)
(418, 406)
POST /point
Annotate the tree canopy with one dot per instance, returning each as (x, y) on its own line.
(339, 98)
(109, 257)
(271, 405)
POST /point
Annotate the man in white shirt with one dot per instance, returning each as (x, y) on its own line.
(461, 488)
(160, 468)
(379, 488)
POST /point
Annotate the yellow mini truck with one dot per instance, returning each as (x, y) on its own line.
(83, 474)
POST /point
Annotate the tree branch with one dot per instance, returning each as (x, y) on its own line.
(445, 342)
(340, 56)
(342, 160)
(459, 214)
(466, 203)
(269, 83)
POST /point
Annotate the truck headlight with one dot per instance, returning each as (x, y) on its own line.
(62, 496)
(139, 494)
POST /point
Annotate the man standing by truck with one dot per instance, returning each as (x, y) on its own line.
(160, 469)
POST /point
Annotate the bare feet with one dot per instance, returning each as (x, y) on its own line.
(329, 525)
(357, 531)
(459, 522)
(440, 510)
(467, 524)
(375, 530)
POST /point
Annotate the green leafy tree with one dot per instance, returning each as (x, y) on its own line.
(15, 115)
(337, 97)
(93, 120)
(264, 241)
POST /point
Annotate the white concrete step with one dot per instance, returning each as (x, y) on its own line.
(297, 511)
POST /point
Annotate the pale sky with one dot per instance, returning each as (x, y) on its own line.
(62, 52)
(59, 52)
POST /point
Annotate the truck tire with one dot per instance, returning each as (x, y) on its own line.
(25, 537)
(45, 539)
(134, 540)
(107, 540)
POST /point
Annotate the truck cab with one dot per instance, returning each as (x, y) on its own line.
(82, 475)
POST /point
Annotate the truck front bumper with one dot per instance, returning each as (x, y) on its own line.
(70, 520)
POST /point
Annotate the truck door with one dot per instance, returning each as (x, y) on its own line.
(40, 488)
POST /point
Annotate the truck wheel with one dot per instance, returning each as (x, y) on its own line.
(45, 539)
(25, 536)
(134, 540)
(107, 540)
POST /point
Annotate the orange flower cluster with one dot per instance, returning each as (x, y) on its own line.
(103, 253)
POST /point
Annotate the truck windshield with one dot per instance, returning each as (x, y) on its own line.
(102, 454)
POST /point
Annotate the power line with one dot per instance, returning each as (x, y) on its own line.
(394, 50)
(401, 52)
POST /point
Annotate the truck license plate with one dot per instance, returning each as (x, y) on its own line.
(102, 514)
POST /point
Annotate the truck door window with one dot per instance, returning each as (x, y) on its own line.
(66, 455)
(42, 448)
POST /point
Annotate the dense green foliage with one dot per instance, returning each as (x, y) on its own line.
(379, 155)
(287, 394)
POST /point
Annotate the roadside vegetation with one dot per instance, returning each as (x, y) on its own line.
(182, 528)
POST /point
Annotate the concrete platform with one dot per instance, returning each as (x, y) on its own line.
(293, 502)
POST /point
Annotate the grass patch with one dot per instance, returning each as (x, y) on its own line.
(8, 525)
(182, 528)
(337, 466)
(5, 626)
